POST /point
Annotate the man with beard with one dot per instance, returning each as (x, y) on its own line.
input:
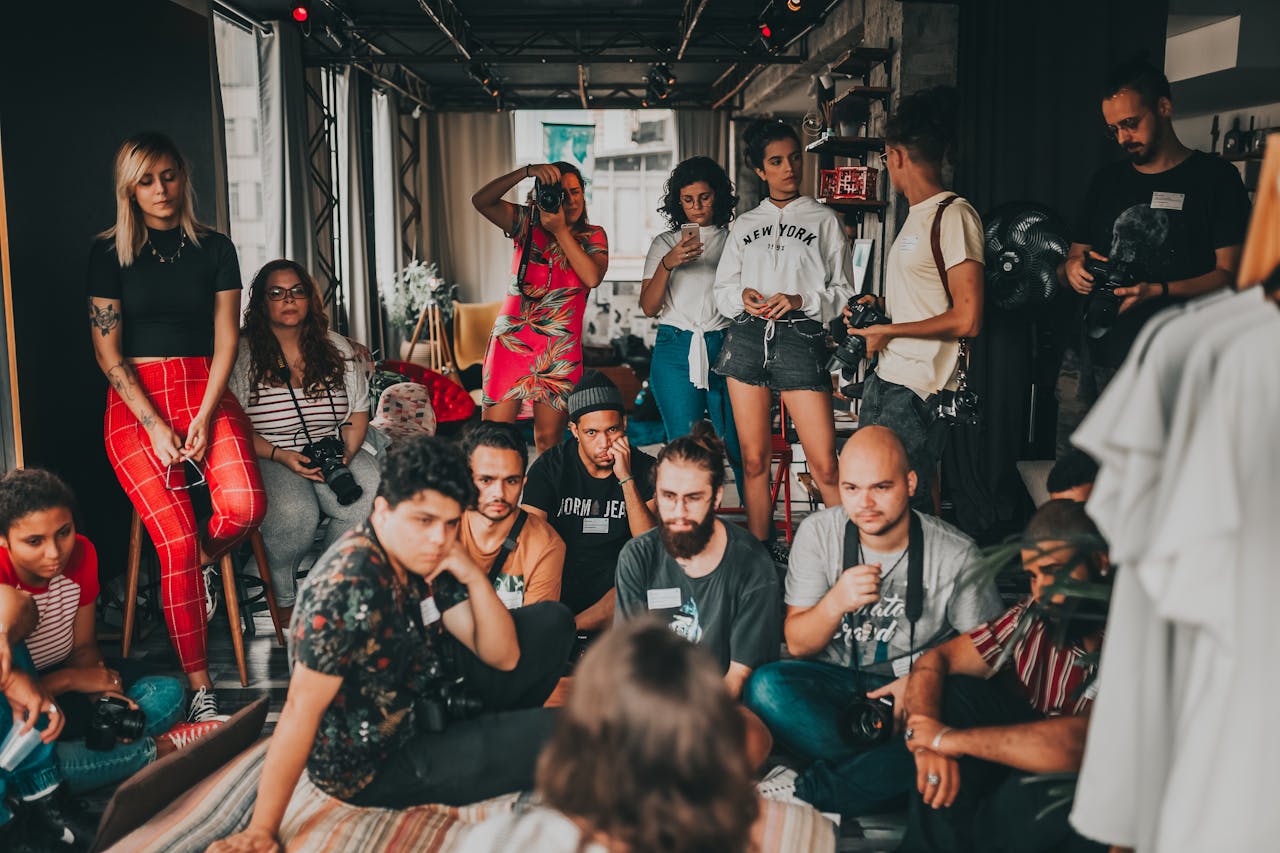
(1172, 217)
(714, 582)
(850, 626)
(597, 493)
(977, 743)
(519, 551)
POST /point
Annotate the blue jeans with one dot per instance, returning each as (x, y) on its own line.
(681, 403)
(38, 773)
(162, 699)
(800, 701)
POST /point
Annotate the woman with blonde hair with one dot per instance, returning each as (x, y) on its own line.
(164, 300)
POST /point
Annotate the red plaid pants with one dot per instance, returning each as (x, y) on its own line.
(175, 387)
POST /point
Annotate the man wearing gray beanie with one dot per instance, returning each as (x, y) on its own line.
(597, 493)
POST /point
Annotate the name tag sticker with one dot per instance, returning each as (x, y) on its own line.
(908, 244)
(664, 599)
(511, 599)
(430, 613)
(1167, 201)
(595, 525)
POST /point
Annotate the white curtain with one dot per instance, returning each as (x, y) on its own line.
(386, 230)
(286, 190)
(464, 151)
(703, 133)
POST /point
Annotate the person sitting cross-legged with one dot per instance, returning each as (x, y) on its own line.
(412, 683)
(854, 619)
(714, 583)
(597, 493)
(991, 709)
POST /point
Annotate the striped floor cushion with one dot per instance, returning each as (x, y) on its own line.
(318, 823)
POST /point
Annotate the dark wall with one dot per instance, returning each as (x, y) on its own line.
(70, 91)
(1030, 78)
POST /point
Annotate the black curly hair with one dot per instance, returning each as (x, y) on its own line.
(323, 364)
(1138, 75)
(425, 463)
(692, 171)
(925, 124)
(760, 133)
(28, 490)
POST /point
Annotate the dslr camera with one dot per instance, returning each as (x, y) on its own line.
(445, 699)
(113, 720)
(326, 454)
(549, 197)
(854, 349)
(865, 723)
(961, 406)
(1104, 305)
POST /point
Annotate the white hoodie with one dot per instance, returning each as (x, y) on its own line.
(800, 248)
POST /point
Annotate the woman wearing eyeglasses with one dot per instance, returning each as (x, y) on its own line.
(164, 292)
(302, 385)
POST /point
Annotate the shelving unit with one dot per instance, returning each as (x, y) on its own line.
(854, 205)
(851, 147)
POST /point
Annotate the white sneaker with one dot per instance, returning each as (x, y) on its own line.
(211, 579)
(204, 707)
(780, 785)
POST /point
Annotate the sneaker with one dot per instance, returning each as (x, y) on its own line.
(779, 785)
(56, 822)
(204, 707)
(211, 579)
(184, 734)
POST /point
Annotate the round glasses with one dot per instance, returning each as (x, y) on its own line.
(277, 294)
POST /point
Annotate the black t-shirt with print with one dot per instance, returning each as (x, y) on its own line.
(353, 619)
(589, 513)
(735, 612)
(1167, 225)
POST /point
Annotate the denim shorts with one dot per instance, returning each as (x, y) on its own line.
(789, 354)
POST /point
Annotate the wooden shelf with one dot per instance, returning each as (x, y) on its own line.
(853, 205)
(864, 94)
(860, 60)
(845, 146)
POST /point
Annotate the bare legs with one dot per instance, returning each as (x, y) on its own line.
(548, 423)
(815, 425)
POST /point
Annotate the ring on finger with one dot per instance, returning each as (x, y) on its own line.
(933, 779)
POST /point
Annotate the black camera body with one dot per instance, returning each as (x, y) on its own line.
(444, 700)
(326, 454)
(113, 720)
(549, 197)
(961, 406)
(854, 348)
(865, 723)
(1104, 305)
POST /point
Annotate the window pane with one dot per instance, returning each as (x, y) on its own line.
(626, 164)
(657, 162)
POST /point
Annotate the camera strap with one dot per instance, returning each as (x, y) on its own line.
(935, 242)
(915, 571)
(525, 248)
(508, 545)
(282, 372)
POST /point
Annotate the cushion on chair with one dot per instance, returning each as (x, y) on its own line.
(449, 400)
(405, 410)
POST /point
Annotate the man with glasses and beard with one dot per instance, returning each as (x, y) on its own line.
(1173, 217)
(713, 582)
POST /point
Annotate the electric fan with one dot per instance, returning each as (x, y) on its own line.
(1023, 242)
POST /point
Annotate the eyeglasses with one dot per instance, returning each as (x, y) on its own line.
(1128, 125)
(186, 482)
(277, 294)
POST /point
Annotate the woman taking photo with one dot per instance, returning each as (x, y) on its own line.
(535, 353)
(164, 292)
(325, 398)
(679, 279)
(783, 276)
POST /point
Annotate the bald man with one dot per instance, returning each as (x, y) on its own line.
(847, 628)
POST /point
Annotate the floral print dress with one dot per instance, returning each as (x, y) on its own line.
(535, 352)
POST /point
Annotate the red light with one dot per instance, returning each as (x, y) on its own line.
(766, 31)
(299, 13)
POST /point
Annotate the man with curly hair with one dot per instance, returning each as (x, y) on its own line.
(412, 683)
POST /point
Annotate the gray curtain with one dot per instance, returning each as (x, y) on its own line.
(285, 187)
(464, 151)
(221, 205)
(358, 248)
(703, 133)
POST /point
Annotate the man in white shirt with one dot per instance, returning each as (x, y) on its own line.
(933, 290)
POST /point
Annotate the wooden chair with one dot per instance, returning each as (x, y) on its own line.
(229, 593)
(472, 328)
(780, 456)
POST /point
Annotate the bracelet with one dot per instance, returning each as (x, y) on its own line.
(627, 480)
(937, 739)
(273, 452)
(526, 170)
(663, 261)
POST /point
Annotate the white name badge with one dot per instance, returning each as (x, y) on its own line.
(664, 599)
(511, 599)
(430, 613)
(1167, 201)
(595, 525)
(907, 244)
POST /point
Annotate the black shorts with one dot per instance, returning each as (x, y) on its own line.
(793, 357)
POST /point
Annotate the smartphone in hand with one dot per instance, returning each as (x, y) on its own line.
(690, 230)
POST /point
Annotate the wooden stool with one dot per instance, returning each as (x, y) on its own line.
(227, 565)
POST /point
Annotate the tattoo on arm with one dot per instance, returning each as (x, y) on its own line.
(105, 318)
(122, 379)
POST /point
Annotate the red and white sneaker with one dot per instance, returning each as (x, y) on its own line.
(184, 734)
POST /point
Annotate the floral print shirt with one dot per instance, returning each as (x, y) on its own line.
(352, 619)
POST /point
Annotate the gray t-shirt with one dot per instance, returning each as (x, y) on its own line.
(735, 612)
(953, 602)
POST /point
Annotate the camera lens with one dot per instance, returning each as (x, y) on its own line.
(340, 479)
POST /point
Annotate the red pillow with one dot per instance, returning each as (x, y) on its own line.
(450, 401)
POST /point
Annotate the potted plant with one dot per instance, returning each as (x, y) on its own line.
(416, 289)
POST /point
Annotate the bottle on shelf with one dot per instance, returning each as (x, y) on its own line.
(1231, 141)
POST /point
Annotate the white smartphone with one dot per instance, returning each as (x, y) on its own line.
(690, 230)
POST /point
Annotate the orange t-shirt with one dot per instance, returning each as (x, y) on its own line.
(532, 571)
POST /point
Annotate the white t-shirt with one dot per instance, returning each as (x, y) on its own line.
(537, 830)
(914, 292)
(690, 303)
